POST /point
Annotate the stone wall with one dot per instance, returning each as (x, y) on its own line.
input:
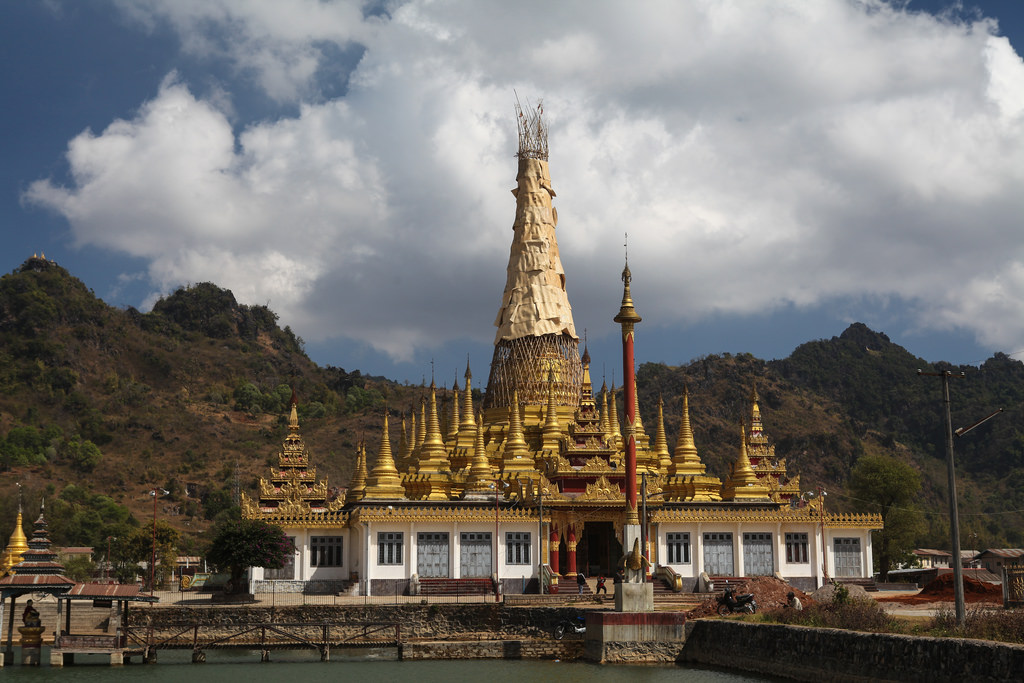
(389, 587)
(494, 649)
(433, 622)
(816, 654)
(313, 587)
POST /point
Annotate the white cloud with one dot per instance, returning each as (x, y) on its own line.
(760, 155)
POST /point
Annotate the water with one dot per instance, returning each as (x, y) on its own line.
(364, 666)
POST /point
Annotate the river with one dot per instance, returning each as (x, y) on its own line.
(366, 666)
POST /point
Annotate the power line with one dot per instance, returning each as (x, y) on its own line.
(927, 512)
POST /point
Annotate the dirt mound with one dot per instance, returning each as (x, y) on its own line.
(942, 587)
(827, 592)
(769, 593)
(941, 590)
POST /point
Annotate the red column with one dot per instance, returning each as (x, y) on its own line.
(554, 552)
(628, 318)
(629, 396)
(572, 551)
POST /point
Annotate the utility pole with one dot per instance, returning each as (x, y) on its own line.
(954, 517)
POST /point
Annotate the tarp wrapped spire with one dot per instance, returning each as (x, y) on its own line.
(535, 333)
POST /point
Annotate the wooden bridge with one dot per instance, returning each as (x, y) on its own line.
(263, 637)
(147, 641)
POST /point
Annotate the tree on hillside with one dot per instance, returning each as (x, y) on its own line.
(242, 543)
(132, 550)
(890, 487)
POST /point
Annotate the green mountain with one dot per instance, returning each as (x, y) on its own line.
(832, 401)
(100, 405)
(189, 398)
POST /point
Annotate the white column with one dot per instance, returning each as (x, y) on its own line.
(780, 549)
(869, 564)
(697, 550)
(455, 548)
(737, 550)
(368, 547)
(412, 554)
(303, 563)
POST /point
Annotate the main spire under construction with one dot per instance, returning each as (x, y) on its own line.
(536, 336)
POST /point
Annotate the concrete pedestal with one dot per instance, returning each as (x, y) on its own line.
(634, 597)
(634, 636)
(30, 656)
(31, 644)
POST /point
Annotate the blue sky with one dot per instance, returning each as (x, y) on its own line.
(782, 168)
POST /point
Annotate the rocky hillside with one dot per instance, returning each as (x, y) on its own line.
(834, 400)
(189, 398)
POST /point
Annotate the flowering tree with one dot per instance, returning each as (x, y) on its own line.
(241, 543)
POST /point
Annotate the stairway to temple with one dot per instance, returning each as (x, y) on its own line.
(456, 587)
(867, 584)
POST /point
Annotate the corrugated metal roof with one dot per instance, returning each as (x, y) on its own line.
(1001, 552)
(40, 581)
(109, 591)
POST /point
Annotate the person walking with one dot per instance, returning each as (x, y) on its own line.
(601, 588)
(580, 582)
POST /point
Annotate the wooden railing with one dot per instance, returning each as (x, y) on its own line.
(545, 578)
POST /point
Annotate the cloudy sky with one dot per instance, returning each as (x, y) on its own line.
(783, 168)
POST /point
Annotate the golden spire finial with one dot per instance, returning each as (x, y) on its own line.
(685, 459)
(468, 424)
(357, 486)
(17, 545)
(453, 421)
(384, 481)
(627, 312)
(421, 428)
(478, 484)
(756, 428)
(661, 441)
(403, 442)
(515, 460)
(743, 483)
(293, 416)
(638, 426)
(587, 387)
(606, 423)
(743, 472)
(432, 436)
(613, 418)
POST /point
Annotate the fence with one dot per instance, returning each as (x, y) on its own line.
(1013, 585)
(275, 593)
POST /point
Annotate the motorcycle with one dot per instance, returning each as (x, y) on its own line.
(729, 602)
(567, 626)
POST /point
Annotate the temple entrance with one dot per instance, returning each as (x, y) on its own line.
(599, 550)
(432, 555)
(475, 551)
(718, 554)
(847, 557)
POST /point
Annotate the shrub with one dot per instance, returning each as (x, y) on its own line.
(983, 623)
(844, 613)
